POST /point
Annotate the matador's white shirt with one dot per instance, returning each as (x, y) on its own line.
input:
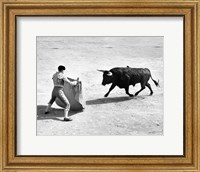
(59, 78)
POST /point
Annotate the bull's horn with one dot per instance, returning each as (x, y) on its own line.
(100, 70)
(109, 73)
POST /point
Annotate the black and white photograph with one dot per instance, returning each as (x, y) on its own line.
(100, 85)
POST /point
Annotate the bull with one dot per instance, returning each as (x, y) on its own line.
(125, 76)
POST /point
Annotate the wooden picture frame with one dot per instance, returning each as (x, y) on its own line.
(9, 161)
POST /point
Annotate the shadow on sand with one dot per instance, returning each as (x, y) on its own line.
(55, 113)
(112, 100)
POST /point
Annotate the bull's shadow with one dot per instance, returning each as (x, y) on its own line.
(111, 100)
(55, 113)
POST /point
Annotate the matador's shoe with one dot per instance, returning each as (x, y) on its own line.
(67, 119)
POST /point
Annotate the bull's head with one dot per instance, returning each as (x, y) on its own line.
(107, 77)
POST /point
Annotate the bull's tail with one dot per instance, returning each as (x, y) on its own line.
(155, 82)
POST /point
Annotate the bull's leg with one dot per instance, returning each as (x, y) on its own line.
(126, 82)
(127, 91)
(142, 88)
(111, 88)
(149, 86)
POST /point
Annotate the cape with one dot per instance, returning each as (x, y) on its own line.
(74, 96)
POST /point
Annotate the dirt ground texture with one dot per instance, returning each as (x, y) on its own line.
(118, 114)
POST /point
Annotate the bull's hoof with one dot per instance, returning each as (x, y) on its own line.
(106, 95)
(131, 95)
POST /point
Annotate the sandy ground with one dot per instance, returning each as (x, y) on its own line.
(117, 114)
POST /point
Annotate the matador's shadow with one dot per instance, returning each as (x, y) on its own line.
(55, 113)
